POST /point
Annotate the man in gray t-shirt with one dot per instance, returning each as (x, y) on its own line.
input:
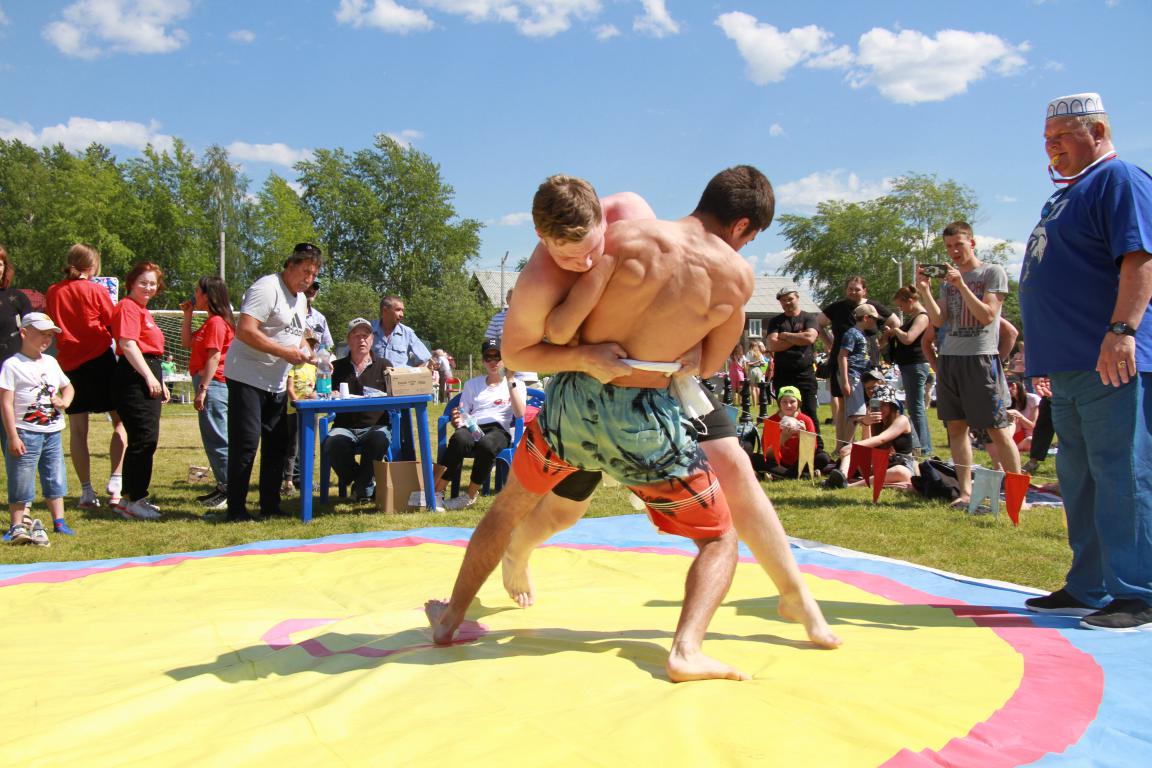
(270, 329)
(971, 390)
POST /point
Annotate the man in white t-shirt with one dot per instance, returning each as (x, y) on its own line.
(270, 332)
(33, 395)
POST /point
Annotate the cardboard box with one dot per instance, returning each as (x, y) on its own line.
(200, 475)
(395, 482)
(409, 381)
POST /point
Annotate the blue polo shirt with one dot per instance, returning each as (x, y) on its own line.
(1071, 273)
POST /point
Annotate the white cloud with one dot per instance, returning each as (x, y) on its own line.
(515, 219)
(770, 53)
(775, 129)
(277, 153)
(79, 132)
(296, 187)
(828, 185)
(244, 36)
(656, 21)
(3, 18)
(837, 58)
(771, 262)
(1015, 253)
(1005, 199)
(533, 18)
(383, 14)
(93, 27)
(405, 137)
(1054, 66)
(606, 32)
(909, 67)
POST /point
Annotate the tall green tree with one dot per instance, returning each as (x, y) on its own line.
(230, 213)
(344, 300)
(280, 221)
(386, 217)
(450, 315)
(881, 239)
(846, 239)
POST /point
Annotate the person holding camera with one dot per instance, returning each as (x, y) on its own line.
(971, 391)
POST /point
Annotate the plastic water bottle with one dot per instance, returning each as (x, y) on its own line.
(471, 425)
(324, 373)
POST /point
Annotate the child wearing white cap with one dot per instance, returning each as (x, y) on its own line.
(33, 395)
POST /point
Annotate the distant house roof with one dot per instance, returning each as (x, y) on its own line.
(489, 282)
(763, 299)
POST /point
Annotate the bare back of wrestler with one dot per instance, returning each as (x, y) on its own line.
(673, 287)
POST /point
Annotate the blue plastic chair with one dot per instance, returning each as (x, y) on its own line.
(533, 397)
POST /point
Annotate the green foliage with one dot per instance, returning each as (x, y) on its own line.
(343, 300)
(450, 316)
(280, 221)
(878, 239)
(386, 218)
(383, 215)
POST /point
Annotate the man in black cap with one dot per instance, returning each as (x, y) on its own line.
(315, 319)
(489, 404)
(791, 335)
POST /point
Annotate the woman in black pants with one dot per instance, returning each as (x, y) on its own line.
(488, 405)
(140, 389)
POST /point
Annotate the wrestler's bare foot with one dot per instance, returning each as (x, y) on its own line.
(517, 581)
(444, 626)
(684, 666)
(802, 609)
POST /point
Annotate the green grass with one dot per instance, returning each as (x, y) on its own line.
(901, 526)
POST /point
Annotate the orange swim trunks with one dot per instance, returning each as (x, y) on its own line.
(682, 494)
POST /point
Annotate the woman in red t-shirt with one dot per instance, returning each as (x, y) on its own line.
(140, 389)
(83, 310)
(209, 345)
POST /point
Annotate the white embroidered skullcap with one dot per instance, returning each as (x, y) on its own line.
(1076, 104)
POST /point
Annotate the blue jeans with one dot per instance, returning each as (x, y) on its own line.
(913, 376)
(1105, 471)
(214, 427)
(343, 446)
(44, 451)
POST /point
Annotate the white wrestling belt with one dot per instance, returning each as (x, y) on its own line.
(686, 389)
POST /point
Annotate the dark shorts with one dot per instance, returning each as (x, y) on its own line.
(972, 389)
(94, 385)
(717, 425)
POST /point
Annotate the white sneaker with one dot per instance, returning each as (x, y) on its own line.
(146, 504)
(137, 510)
(39, 535)
(88, 500)
(463, 501)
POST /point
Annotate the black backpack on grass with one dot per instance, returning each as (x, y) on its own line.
(937, 480)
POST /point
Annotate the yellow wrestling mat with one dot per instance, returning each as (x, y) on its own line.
(319, 654)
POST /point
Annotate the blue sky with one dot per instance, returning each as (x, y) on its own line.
(830, 99)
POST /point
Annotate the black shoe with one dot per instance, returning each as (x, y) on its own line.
(204, 497)
(1121, 616)
(241, 518)
(1059, 602)
(835, 480)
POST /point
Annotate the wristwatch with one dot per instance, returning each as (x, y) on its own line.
(1122, 329)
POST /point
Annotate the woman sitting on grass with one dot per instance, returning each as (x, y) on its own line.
(1024, 412)
(892, 430)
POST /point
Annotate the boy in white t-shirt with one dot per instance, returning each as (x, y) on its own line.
(33, 395)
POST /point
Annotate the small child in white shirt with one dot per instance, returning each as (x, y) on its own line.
(33, 395)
